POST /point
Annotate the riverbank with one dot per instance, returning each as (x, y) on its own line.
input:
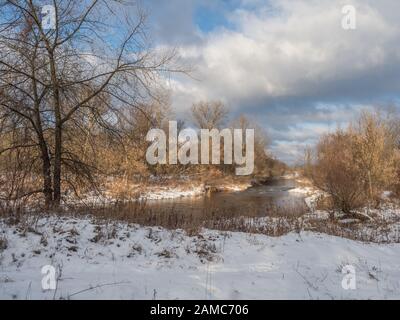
(162, 188)
(111, 260)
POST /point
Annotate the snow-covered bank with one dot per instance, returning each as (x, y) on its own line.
(171, 193)
(121, 261)
(302, 190)
(192, 191)
(163, 191)
(311, 195)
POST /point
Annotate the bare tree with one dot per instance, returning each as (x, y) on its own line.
(209, 115)
(83, 72)
(263, 162)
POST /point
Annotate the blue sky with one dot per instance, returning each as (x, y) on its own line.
(208, 18)
(288, 64)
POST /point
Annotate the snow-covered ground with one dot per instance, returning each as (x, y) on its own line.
(120, 261)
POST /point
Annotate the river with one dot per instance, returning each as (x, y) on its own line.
(272, 198)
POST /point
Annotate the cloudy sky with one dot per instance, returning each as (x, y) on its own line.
(287, 63)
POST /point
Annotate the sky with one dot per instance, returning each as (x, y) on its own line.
(289, 64)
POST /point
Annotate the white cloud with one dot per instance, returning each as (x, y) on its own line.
(294, 51)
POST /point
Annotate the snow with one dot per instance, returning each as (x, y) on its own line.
(311, 195)
(168, 193)
(386, 195)
(159, 193)
(302, 190)
(154, 193)
(291, 176)
(110, 260)
(235, 187)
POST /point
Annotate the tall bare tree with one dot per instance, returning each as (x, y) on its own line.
(82, 71)
(209, 115)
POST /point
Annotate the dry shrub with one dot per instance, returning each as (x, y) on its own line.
(376, 155)
(336, 173)
(356, 165)
(377, 231)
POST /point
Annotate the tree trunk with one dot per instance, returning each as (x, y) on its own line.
(57, 167)
(57, 132)
(46, 171)
(46, 161)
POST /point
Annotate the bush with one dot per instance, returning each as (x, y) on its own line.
(336, 172)
(355, 166)
(376, 155)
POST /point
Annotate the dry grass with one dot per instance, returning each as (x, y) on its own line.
(277, 221)
(3, 243)
(378, 230)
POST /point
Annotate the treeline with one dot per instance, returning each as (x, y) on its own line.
(354, 166)
(95, 155)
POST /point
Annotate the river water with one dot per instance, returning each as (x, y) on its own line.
(273, 198)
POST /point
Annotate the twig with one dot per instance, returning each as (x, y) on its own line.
(96, 287)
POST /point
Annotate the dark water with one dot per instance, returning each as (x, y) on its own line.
(265, 200)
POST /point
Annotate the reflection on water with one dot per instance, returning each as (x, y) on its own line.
(256, 201)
